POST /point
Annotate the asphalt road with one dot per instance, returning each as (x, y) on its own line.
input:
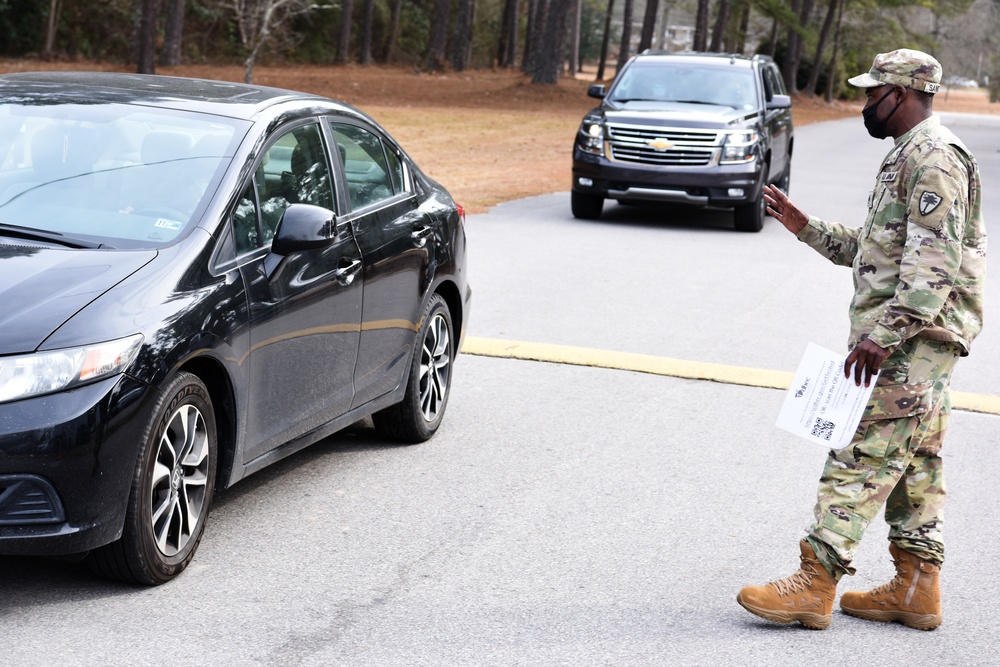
(565, 515)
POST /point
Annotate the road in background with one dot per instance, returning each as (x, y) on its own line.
(564, 515)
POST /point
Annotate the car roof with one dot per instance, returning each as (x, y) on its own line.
(224, 98)
(699, 58)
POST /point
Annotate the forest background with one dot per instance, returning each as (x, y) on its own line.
(486, 94)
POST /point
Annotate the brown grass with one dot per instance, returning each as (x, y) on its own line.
(488, 136)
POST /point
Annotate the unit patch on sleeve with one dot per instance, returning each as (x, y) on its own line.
(928, 202)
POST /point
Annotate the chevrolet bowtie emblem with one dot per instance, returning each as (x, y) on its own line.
(659, 145)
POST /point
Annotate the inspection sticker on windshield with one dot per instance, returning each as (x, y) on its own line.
(822, 405)
(172, 225)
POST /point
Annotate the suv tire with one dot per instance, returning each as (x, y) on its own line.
(586, 207)
(750, 217)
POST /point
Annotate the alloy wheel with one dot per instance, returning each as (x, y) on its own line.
(435, 367)
(180, 478)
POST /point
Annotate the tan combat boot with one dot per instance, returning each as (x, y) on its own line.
(913, 597)
(806, 596)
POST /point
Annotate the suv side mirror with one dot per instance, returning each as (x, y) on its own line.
(596, 90)
(779, 102)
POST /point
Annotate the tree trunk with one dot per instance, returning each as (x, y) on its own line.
(147, 36)
(701, 26)
(51, 25)
(833, 56)
(824, 34)
(390, 44)
(550, 55)
(174, 33)
(802, 9)
(719, 33)
(649, 24)
(534, 27)
(662, 25)
(461, 37)
(507, 44)
(625, 50)
(741, 37)
(439, 35)
(366, 32)
(605, 40)
(791, 65)
(344, 36)
(574, 50)
(772, 42)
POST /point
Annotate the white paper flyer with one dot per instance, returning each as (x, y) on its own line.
(821, 405)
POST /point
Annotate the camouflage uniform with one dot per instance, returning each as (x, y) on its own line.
(919, 266)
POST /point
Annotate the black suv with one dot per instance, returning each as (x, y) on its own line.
(706, 129)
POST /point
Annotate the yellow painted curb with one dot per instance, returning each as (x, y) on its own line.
(692, 370)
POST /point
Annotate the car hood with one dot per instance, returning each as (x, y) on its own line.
(676, 114)
(41, 288)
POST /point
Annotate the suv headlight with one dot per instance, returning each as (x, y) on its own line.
(39, 373)
(590, 138)
(739, 147)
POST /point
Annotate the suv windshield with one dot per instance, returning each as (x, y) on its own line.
(652, 81)
(119, 175)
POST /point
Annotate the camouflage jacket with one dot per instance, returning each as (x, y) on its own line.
(919, 261)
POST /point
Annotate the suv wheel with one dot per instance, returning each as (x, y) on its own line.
(750, 217)
(785, 182)
(586, 207)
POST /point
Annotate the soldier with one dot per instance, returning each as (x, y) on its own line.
(919, 267)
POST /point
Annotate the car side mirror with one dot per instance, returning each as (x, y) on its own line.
(302, 227)
(596, 90)
(779, 102)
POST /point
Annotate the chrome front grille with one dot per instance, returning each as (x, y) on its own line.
(663, 146)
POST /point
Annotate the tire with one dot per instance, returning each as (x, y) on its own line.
(174, 481)
(586, 207)
(428, 383)
(750, 217)
(785, 182)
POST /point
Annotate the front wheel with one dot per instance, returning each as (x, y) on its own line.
(750, 217)
(428, 384)
(585, 206)
(171, 492)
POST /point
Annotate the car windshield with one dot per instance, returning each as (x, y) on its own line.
(682, 82)
(117, 175)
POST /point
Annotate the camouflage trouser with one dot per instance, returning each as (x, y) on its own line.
(893, 459)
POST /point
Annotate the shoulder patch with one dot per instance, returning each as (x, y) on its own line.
(886, 176)
(935, 193)
(928, 202)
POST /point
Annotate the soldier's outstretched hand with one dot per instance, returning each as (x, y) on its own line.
(783, 210)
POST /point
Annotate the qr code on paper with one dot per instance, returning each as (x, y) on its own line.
(823, 429)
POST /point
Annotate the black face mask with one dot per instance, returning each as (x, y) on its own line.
(878, 128)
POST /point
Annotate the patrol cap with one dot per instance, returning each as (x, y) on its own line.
(904, 67)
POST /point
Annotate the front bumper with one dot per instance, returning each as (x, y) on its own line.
(714, 185)
(66, 466)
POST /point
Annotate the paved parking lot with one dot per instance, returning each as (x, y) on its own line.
(564, 514)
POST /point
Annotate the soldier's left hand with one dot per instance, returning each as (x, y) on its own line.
(866, 359)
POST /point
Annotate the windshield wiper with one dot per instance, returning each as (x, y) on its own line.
(30, 234)
(714, 104)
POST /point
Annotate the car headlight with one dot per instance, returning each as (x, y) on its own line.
(590, 139)
(38, 373)
(739, 147)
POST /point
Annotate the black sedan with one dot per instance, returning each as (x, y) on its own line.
(198, 279)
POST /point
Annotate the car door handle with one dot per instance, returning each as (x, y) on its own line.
(419, 235)
(345, 274)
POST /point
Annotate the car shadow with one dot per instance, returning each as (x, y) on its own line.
(665, 216)
(359, 437)
(28, 581)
